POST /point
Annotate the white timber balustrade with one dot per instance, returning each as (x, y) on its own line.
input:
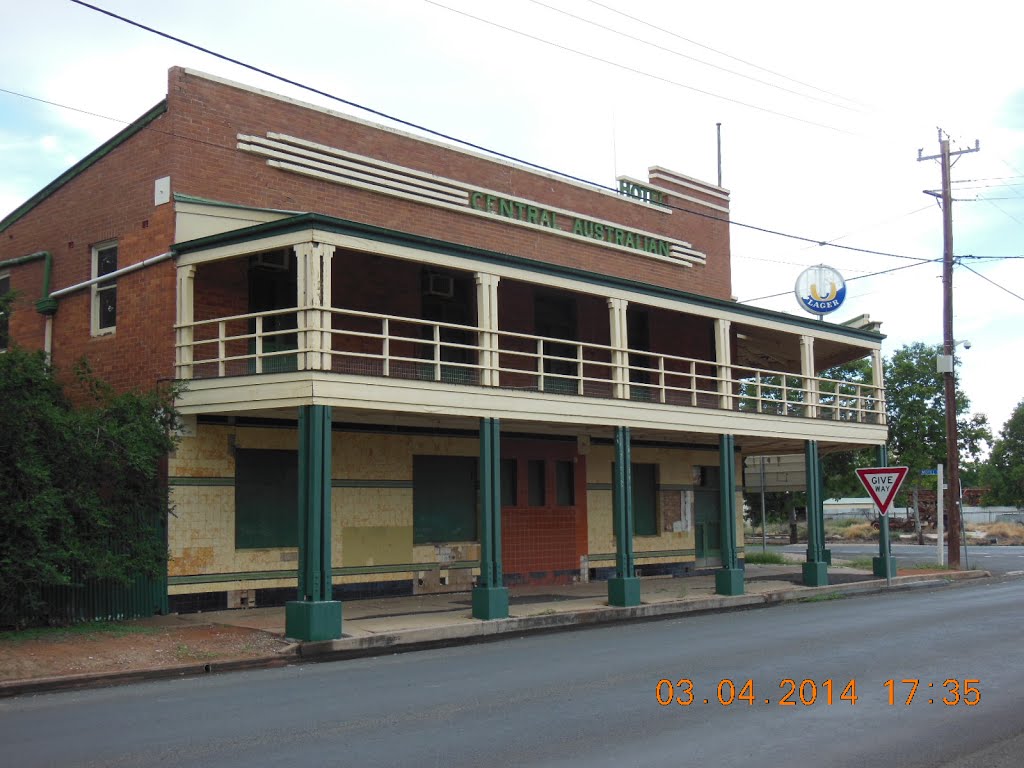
(346, 341)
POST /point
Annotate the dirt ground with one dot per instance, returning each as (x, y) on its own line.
(128, 646)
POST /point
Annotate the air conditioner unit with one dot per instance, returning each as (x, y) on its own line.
(440, 285)
(276, 261)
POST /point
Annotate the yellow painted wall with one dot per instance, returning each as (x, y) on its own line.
(372, 526)
(675, 468)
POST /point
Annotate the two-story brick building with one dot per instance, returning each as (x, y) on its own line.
(413, 367)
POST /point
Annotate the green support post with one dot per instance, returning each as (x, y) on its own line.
(815, 570)
(314, 615)
(624, 587)
(883, 566)
(490, 597)
(729, 579)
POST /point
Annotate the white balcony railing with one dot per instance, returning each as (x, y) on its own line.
(372, 344)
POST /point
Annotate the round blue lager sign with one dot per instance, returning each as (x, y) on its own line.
(820, 290)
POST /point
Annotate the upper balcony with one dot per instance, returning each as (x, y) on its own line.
(380, 328)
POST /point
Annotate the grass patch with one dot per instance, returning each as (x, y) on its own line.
(85, 630)
(842, 522)
(858, 532)
(184, 652)
(924, 567)
(1004, 533)
(764, 558)
(823, 597)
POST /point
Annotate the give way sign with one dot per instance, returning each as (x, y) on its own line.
(882, 484)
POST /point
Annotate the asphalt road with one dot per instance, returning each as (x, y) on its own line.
(995, 559)
(590, 697)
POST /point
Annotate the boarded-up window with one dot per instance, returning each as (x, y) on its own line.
(645, 499)
(266, 498)
(509, 483)
(565, 484)
(536, 482)
(444, 498)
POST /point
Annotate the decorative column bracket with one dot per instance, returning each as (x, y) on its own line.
(807, 369)
(313, 302)
(185, 316)
(487, 322)
(619, 343)
(723, 354)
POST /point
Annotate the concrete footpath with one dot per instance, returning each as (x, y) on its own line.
(396, 624)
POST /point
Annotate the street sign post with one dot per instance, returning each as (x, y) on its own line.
(882, 483)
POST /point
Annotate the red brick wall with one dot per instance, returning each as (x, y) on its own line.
(194, 144)
(113, 199)
(208, 116)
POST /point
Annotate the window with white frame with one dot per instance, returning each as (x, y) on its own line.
(5, 288)
(104, 293)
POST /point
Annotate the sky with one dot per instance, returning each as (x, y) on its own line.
(823, 110)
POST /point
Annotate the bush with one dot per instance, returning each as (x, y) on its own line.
(80, 490)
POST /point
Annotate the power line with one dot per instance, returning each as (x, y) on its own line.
(720, 53)
(464, 142)
(991, 178)
(687, 56)
(989, 258)
(997, 285)
(635, 71)
(859, 277)
(472, 145)
(681, 209)
(63, 106)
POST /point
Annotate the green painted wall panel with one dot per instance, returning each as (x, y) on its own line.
(266, 498)
(444, 498)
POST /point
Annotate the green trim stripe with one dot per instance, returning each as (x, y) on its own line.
(665, 487)
(230, 481)
(205, 481)
(653, 553)
(371, 483)
(93, 157)
(354, 570)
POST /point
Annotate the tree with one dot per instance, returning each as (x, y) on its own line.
(80, 492)
(1003, 475)
(915, 406)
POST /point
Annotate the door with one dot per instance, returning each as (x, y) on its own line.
(544, 514)
(638, 331)
(554, 316)
(272, 285)
(707, 519)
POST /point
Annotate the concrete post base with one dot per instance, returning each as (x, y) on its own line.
(729, 581)
(490, 603)
(815, 574)
(624, 592)
(880, 564)
(312, 621)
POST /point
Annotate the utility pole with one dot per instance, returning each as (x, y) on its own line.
(952, 496)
